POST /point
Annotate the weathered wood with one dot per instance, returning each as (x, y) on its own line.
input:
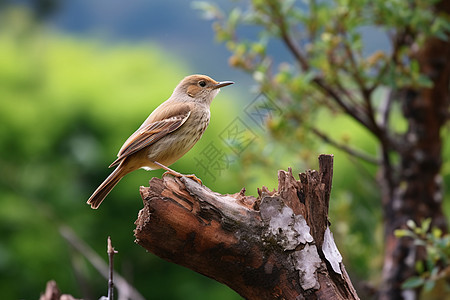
(52, 292)
(276, 246)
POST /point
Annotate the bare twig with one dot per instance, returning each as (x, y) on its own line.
(352, 111)
(124, 289)
(345, 148)
(111, 253)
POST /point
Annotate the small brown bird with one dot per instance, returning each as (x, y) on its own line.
(170, 131)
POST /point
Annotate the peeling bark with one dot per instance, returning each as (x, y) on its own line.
(276, 246)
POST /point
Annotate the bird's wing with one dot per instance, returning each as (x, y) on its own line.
(153, 129)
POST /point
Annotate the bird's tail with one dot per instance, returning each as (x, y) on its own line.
(103, 190)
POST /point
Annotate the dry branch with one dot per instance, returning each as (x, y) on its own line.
(52, 292)
(276, 246)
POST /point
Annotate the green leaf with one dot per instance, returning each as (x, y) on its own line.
(234, 17)
(415, 66)
(436, 232)
(420, 268)
(411, 224)
(435, 271)
(209, 11)
(433, 254)
(426, 224)
(413, 282)
(429, 285)
(424, 81)
(403, 233)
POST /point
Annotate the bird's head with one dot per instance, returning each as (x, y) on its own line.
(199, 88)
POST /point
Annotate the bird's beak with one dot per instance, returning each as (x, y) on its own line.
(222, 84)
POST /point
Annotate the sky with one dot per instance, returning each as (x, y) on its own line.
(174, 26)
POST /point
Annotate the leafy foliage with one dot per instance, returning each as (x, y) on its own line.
(437, 264)
(66, 106)
(331, 77)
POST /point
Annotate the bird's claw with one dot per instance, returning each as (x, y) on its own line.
(191, 176)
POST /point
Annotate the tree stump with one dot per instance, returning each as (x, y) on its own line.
(276, 246)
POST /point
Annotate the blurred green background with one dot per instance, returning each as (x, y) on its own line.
(74, 86)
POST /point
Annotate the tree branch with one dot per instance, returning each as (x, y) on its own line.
(111, 252)
(278, 245)
(353, 152)
(125, 290)
(385, 109)
(279, 19)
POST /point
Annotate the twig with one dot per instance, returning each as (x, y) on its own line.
(124, 289)
(365, 92)
(111, 253)
(354, 70)
(385, 109)
(363, 118)
(278, 19)
(352, 111)
(345, 148)
(398, 40)
(346, 92)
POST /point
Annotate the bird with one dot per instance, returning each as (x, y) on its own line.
(168, 133)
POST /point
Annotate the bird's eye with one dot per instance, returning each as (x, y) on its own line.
(202, 83)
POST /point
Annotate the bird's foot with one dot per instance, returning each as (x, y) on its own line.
(176, 174)
(169, 171)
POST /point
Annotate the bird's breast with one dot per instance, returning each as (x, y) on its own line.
(194, 127)
(174, 145)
